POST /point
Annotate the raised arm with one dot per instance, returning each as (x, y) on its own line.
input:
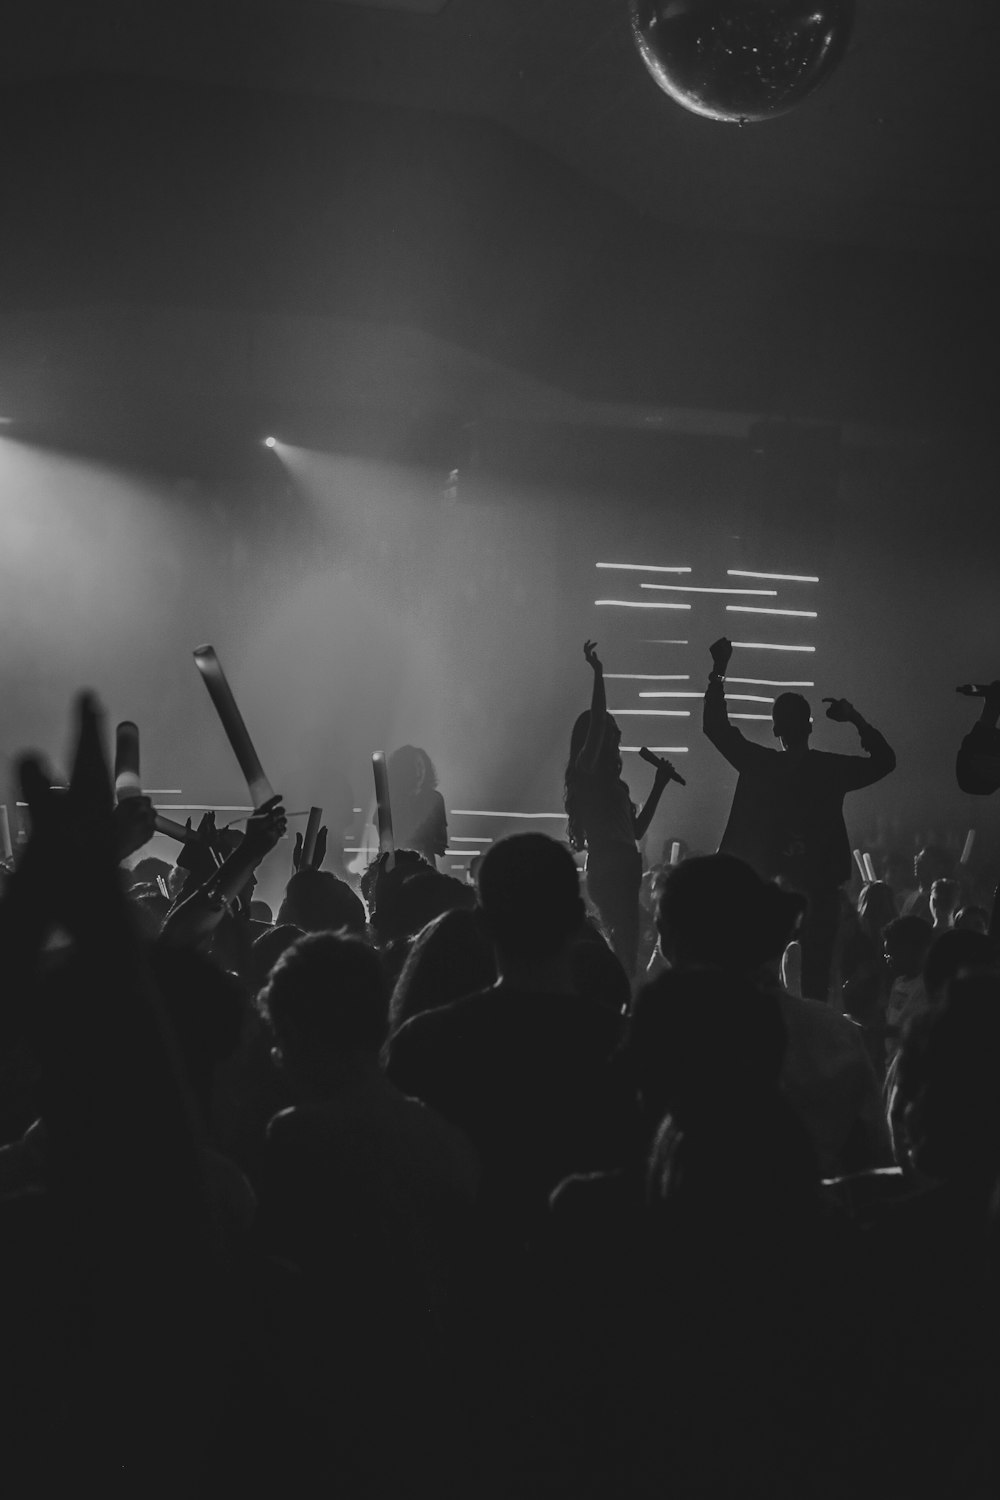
(881, 758)
(715, 718)
(590, 754)
(198, 915)
(664, 773)
(977, 767)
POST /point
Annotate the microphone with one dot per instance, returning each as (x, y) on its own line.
(654, 760)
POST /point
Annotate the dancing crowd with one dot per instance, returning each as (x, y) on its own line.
(681, 1183)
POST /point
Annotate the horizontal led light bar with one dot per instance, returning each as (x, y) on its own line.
(461, 853)
(761, 609)
(465, 812)
(730, 697)
(765, 718)
(773, 577)
(767, 646)
(647, 676)
(648, 642)
(643, 603)
(693, 588)
(656, 749)
(465, 839)
(650, 713)
(767, 682)
(640, 568)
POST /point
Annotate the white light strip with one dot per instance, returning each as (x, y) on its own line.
(761, 609)
(767, 682)
(774, 577)
(730, 697)
(765, 718)
(650, 713)
(465, 812)
(459, 838)
(768, 646)
(693, 588)
(640, 568)
(461, 853)
(647, 676)
(646, 641)
(656, 749)
(642, 603)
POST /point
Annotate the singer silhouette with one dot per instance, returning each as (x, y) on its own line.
(603, 819)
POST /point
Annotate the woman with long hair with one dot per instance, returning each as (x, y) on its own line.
(603, 819)
(419, 820)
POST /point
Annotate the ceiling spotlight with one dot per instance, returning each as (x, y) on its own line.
(270, 442)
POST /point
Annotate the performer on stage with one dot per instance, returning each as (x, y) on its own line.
(787, 818)
(604, 820)
(419, 820)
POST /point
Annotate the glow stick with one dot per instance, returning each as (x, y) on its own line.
(172, 830)
(970, 839)
(861, 866)
(386, 844)
(760, 609)
(869, 868)
(640, 568)
(127, 782)
(8, 848)
(232, 722)
(309, 841)
(675, 853)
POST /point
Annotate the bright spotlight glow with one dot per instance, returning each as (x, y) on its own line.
(694, 588)
(642, 603)
(640, 568)
(773, 577)
(270, 442)
(761, 609)
(768, 646)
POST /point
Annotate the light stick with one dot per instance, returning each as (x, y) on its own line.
(861, 866)
(970, 839)
(127, 782)
(232, 722)
(309, 841)
(8, 848)
(869, 868)
(384, 809)
(172, 830)
(675, 853)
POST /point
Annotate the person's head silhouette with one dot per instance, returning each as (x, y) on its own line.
(791, 719)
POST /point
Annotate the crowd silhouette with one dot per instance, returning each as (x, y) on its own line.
(547, 1187)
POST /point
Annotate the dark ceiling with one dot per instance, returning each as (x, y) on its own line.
(899, 150)
(489, 211)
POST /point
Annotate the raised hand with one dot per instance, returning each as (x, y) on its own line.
(840, 710)
(721, 650)
(264, 828)
(665, 769)
(318, 854)
(590, 652)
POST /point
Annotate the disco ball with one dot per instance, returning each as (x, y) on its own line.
(741, 60)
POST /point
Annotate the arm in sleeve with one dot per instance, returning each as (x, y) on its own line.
(880, 759)
(715, 722)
